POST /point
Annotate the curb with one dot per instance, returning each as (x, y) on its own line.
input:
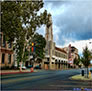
(14, 73)
(84, 79)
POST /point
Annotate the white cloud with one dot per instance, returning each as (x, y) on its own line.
(72, 17)
(55, 11)
(55, 33)
(80, 45)
(41, 30)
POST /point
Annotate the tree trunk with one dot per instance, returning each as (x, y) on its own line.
(22, 57)
(87, 72)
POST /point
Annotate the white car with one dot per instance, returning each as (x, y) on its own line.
(24, 68)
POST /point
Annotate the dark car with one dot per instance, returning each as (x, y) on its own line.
(37, 67)
(90, 69)
(30, 66)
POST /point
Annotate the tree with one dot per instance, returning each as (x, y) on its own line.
(86, 58)
(10, 17)
(16, 14)
(77, 60)
(19, 22)
(40, 44)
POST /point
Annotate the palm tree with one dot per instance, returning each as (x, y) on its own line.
(86, 58)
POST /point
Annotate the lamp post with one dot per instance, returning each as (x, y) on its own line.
(90, 42)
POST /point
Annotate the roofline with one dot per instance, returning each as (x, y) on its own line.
(61, 50)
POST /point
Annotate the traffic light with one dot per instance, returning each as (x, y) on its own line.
(32, 44)
(33, 48)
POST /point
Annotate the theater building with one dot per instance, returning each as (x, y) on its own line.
(6, 52)
(55, 57)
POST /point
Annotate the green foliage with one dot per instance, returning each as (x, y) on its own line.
(40, 44)
(10, 18)
(15, 14)
(26, 55)
(86, 57)
(19, 22)
(76, 61)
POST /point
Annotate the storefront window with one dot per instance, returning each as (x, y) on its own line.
(9, 58)
(4, 44)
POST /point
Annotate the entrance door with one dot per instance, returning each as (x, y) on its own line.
(46, 66)
(59, 66)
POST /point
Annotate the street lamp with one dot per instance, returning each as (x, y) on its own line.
(90, 42)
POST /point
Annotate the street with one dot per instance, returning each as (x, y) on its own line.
(44, 80)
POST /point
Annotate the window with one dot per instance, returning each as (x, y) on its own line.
(52, 62)
(9, 58)
(4, 44)
(55, 53)
(0, 39)
(3, 58)
(47, 59)
(9, 45)
(59, 54)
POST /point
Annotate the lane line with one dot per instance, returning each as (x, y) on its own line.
(22, 79)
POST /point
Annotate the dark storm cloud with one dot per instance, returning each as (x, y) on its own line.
(73, 19)
(56, 4)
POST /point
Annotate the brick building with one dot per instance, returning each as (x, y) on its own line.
(72, 54)
(6, 52)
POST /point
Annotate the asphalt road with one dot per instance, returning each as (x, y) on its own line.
(44, 80)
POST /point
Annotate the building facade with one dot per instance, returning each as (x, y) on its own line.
(6, 52)
(55, 58)
(72, 54)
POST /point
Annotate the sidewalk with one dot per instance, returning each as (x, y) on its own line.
(79, 77)
(4, 72)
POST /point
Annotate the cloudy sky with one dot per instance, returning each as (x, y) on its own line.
(72, 22)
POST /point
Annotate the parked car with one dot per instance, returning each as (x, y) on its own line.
(37, 67)
(90, 69)
(24, 68)
(30, 66)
